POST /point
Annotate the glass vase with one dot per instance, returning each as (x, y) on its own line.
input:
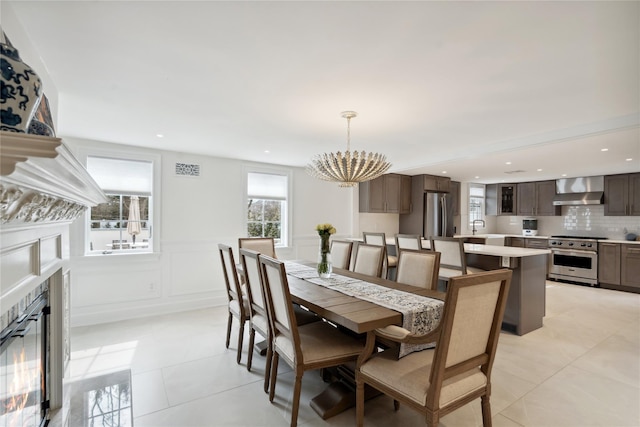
(324, 257)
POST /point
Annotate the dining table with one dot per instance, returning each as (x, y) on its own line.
(355, 314)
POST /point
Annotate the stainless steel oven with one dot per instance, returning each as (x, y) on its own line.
(574, 259)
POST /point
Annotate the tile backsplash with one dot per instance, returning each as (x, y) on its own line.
(586, 220)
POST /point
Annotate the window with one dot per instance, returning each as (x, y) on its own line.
(267, 207)
(125, 223)
(476, 203)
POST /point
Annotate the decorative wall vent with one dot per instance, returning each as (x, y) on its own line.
(516, 171)
(187, 169)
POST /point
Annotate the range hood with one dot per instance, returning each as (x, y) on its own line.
(579, 191)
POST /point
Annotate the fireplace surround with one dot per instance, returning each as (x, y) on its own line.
(43, 189)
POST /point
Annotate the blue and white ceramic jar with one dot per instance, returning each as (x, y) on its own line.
(20, 91)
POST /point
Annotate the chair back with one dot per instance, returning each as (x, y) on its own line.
(341, 253)
(418, 268)
(378, 239)
(234, 292)
(369, 259)
(281, 315)
(408, 241)
(253, 280)
(263, 245)
(451, 252)
(471, 322)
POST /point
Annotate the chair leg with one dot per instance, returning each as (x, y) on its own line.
(274, 372)
(296, 399)
(267, 366)
(433, 418)
(396, 405)
(240, 338)
(359, 402)
(252, 338)
(486, 411)
(229, 320)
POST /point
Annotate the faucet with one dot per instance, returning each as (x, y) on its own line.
(473, 231)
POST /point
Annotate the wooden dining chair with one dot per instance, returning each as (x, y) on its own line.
(369, 259)
(259, 317)
(452, 258)
(341, 253)
(380, 239)
(263, 245)
(408, 241)
(258, 313)
(237, 303)
(418, 268)
(312, 346)
(457, 371)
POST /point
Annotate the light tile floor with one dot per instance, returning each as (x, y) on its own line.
(581, 369)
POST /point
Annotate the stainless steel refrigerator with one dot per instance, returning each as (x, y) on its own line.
(438, 215)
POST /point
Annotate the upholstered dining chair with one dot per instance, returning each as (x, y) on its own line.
(452, 259)
(238, 304)
(312, 346)
(258, 313)
(408, 241)
(369, 259)
(259, 316)
(457, 371)
(380, 239)
(263, 245)
(341, 253)
(418, 268)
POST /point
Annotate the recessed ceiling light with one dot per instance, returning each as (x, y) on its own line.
(564, 174)
(477, 177)
(507, 163)
(629, 159)
(604, 149)
(444, 171)
(539, 170)
(159, 135)
(267, 151)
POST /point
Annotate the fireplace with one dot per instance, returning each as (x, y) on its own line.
(43, 189)
(24, 361)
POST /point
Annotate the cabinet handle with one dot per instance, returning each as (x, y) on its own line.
(609, 244)
(633, 251)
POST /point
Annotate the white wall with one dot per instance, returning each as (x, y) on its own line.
(196, 214)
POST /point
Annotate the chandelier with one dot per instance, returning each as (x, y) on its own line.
(350, 168)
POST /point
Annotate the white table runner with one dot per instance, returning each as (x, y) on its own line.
(420, 314)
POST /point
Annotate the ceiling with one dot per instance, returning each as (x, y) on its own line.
(461, 87)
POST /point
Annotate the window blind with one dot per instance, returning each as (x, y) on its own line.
(266, 186)
(120, 176)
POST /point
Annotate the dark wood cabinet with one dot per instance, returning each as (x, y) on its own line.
(455, 197)
(609, 263)
(500, 199)
(440, 184)
(622, 194)
(535, 243)
(516, 242)
(390, 193)
(536, 198)
(630, 265)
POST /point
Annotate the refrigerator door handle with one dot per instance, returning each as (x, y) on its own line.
(443, 204)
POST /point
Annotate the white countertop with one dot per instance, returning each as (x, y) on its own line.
(494, 235)
(629, 242)
(506, 251)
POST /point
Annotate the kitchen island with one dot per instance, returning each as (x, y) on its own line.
(527, 295)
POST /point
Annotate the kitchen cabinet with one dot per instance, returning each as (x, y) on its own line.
(536, 198)
(440, 184)
(515, 242)
(534, 243)
(609, 263)
(622, 194)
(500, 199)
(455, 197)
(619, 266)
(390, 193)
(630, 265)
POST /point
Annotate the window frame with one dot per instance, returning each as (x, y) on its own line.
(154, 207)
(286, 214)
(470, 197)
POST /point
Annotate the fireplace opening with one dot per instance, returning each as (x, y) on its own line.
(25, 362)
